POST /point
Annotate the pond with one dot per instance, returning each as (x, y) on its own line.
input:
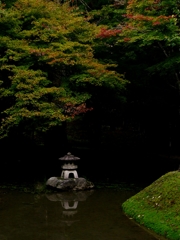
(88, 215)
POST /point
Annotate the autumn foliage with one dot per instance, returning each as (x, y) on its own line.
(48, 71)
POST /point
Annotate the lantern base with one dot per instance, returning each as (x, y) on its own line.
(65, 174)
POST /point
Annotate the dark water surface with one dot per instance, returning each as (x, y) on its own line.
(88, 215)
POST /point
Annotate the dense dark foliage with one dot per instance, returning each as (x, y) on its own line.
(63, 77)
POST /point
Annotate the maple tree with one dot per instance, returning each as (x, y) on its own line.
(155, 23)
(47, 68)
(151, 32)
(146, 48)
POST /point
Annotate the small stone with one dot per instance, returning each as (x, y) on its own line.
(65, 184)
(52, 181)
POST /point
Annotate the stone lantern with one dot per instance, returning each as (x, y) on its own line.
(69, 166)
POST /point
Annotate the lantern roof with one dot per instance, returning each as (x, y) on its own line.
(69, 157)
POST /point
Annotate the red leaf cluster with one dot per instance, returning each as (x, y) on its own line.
(156, 23)
(106, 33)
(140, 17)
(37, 52)
(127, 39)
(74, 110)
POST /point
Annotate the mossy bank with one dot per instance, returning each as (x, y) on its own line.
(157, 207)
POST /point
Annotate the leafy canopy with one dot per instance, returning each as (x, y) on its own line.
(155, 23)
(47, 67)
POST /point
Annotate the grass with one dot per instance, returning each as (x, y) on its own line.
(157, 207)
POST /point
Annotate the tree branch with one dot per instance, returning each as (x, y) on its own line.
(164, 51)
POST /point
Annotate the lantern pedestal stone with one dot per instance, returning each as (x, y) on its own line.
(65, 174)
(69, 184)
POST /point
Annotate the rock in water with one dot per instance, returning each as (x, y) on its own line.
(69, 183)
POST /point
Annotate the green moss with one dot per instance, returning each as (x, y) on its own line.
(157, 207)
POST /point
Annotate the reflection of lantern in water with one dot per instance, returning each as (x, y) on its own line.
(69, 202)
(69, 167)
(66, 205)
(69, 207)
